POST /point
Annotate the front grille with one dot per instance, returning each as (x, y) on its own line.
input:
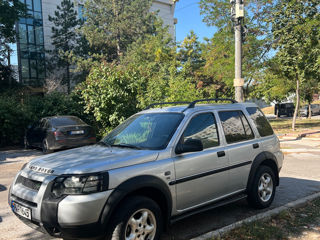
(29, 183)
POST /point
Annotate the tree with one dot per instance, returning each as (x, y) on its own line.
(64, 39)
(296, 29)
(10, 12)
(257, 41)
(112, 25)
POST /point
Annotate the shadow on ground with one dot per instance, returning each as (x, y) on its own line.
(290, 189)
(18, 153)
(2, 188)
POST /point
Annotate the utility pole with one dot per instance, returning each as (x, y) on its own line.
(237, 13)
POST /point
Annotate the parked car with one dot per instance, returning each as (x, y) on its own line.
(58, 132)
(315, 110)
(157, 167)
(284, 109)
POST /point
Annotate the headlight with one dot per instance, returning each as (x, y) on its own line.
(80, 184)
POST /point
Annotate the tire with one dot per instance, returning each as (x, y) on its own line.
(45, 147)
(128, 220)
(263, 188)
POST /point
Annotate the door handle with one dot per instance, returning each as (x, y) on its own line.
(221, 154)
(255, 145)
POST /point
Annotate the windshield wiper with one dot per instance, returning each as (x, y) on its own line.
(126, 145)
(103, 144)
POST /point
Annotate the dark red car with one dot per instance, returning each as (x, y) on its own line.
(58, 132)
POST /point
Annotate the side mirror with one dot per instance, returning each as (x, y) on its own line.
(191, 145)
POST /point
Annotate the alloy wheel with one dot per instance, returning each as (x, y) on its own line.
(141, 225)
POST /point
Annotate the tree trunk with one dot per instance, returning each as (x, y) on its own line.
(116, 13)
(68, 78)
(309, 110)
(297, 104)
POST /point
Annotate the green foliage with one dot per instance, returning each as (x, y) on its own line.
(111, 26)
(110, 94)
(18, 111)
(10, 12)
(14, 117)
(218, 71)
(296, 29)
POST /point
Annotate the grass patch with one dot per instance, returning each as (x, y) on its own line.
(284, 125)
(268, 110)
(288, 224)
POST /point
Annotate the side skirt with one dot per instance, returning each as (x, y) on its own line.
(210, 206)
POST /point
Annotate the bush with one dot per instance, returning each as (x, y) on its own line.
(110, 94)
(14, 117)
(17, 112)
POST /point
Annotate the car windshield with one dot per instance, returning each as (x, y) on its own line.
(305, 107)
(65, 121)
(145, 131)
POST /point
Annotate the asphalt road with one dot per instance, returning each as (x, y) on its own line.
(300, 177)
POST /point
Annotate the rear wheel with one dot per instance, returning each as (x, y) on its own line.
(263, 189)
(45, 147)
(139, 218)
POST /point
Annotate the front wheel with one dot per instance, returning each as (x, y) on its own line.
(138, 218)
(263, 189)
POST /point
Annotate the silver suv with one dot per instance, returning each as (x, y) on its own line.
(157, 167)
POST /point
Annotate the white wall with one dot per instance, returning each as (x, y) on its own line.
(166, 12)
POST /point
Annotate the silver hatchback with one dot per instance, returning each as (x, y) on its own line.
(160, 165)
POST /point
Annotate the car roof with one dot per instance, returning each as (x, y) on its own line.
(198, 107)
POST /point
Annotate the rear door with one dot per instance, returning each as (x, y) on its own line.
(241, 147)
(199, 175)
(269, 141)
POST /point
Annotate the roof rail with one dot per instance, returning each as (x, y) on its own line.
(165, 103)
(192, 104)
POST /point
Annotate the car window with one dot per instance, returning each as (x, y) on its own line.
(202, 127)
(261, 122)
(65, 121)
(235, 126)
(148, 131)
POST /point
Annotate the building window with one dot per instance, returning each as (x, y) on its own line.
(31, 52)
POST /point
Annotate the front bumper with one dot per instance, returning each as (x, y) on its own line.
(72, 217)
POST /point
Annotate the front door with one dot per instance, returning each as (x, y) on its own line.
(199, 178)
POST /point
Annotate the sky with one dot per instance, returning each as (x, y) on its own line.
(188, 14)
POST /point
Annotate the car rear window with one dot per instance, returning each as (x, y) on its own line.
(65, 121)
(261, 122)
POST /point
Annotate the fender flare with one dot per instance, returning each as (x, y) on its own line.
(130, 186)
(271, 161)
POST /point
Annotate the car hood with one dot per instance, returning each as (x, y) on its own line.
(89, 159)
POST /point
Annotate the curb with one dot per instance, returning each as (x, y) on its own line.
(219, 232)
(295, 136)
(299, 150)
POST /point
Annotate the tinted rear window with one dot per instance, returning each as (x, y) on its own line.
(261, 122)
(235, 126)
(66, 121)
